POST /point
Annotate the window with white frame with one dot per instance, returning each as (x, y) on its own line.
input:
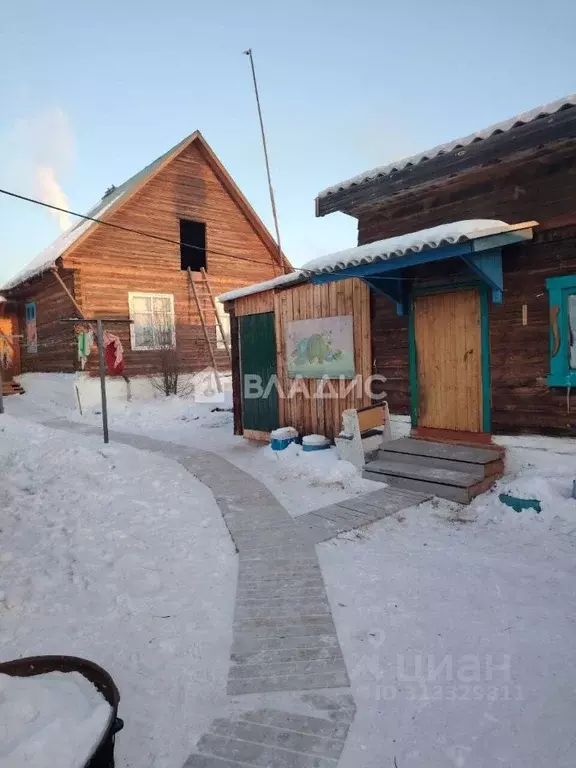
(154, 325)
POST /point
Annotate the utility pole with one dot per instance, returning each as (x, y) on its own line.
(102, 371)
(265, 146)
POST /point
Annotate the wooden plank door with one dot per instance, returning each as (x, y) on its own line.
(258, 358)
(448, 338)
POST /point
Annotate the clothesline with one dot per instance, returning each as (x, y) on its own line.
(113, 350)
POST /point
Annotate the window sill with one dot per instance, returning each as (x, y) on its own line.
(149, 349)
(562, 380)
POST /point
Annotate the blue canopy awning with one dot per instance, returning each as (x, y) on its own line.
(478, 243)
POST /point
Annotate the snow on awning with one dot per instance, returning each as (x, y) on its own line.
(413, 242)
(442, 149)
(291, 278)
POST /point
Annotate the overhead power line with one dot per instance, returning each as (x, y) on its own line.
(124, 229)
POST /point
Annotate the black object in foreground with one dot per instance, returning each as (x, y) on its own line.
(103, 756)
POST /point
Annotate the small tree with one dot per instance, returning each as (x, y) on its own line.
(168, 380)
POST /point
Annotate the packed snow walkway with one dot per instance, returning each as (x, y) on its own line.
(284, 633)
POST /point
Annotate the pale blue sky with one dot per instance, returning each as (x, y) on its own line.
(98, 90)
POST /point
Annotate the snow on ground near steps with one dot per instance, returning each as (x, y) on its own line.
(301, 481)
(540, 468)
(121, 557)
(52, 719)
(459, 641)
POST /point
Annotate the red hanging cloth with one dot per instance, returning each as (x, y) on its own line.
(113, 354)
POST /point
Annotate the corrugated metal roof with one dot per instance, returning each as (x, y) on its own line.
(47, 258)
(276, 282)
(413, 242)
(506, 125)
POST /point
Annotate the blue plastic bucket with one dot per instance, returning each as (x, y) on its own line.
(315, 443)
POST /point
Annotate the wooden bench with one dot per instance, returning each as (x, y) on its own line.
(363, 432)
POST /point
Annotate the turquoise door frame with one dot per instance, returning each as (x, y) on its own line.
(484, 341)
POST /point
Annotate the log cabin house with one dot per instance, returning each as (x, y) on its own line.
(462, 289)
(181, 213)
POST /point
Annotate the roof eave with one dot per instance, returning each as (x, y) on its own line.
(29, 282)
(527, 138)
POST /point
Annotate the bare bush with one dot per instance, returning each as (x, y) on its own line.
(169, 380)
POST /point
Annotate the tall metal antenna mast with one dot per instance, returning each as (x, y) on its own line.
(283, 264)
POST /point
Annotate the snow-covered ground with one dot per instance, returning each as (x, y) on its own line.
(301, 481)
(536, 467)
(459, 639)
(456, 623)
(121, 557)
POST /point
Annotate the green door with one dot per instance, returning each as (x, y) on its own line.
(258, 365)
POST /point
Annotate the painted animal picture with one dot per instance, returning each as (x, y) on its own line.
(319, 348)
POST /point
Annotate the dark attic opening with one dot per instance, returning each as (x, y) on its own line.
(192, 245)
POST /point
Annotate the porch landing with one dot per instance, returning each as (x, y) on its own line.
(455, 472)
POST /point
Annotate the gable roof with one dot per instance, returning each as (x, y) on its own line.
(110, 203)
(505, 126)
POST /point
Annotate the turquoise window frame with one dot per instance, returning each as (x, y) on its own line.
(559, 289)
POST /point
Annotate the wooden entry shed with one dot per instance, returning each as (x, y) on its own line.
(259, 318)
(462, 289)
(470, 253)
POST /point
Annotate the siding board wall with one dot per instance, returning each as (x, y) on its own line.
(305, 302)
(254, 304)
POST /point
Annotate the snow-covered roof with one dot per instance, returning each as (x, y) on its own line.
(413, 242)
(292, 277)
(443, 149)
(47, 258)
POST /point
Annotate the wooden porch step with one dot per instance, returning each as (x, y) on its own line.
(451, 451)
(454, 472)
(483, 461)
(11, 388)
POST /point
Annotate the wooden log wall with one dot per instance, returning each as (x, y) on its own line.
(304, 302)
(543, 189)
(111, 263)
(56, 340)
(519, 354)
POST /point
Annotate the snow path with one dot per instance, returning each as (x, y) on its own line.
(284, 634)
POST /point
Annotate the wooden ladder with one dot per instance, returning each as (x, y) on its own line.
(208, 292)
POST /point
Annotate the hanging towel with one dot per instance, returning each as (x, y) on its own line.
(113, 354)
(85, 341)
